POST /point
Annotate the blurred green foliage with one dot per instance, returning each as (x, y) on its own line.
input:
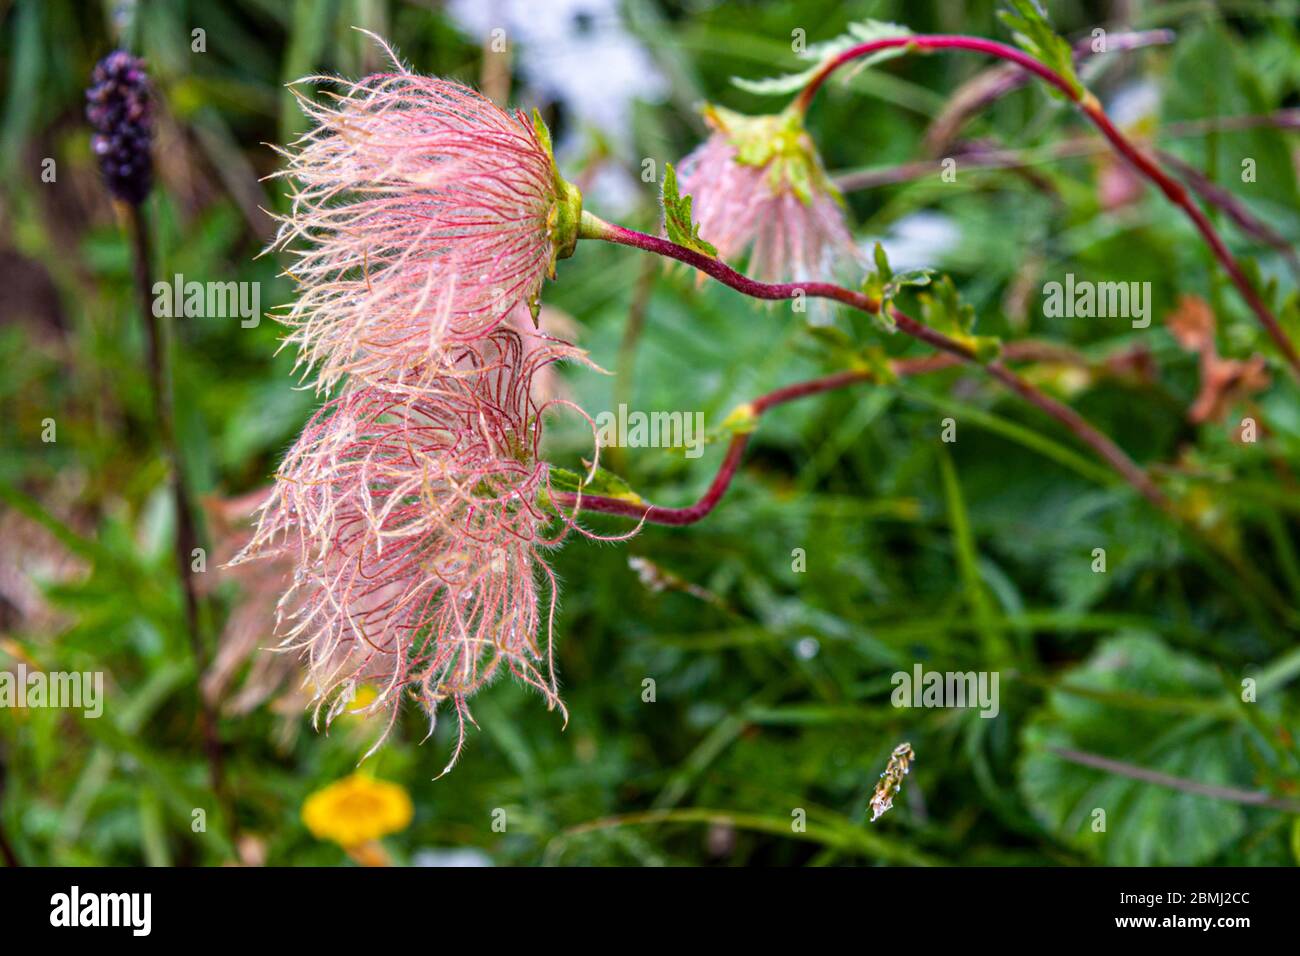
(774, 694)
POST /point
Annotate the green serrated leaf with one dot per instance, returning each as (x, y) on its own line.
(884, 285)
(914, 278)
(604, 483)
(1034, 34)
(678, 224)
(942, 308)
(778, 85)
(819, 54)
(1144, 824)
(882, 262)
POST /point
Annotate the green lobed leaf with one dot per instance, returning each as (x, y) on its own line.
(1145, 824)
(863, 31)
(884, 285)
(678, 224)
(942, 308)
(1034, 34)
(604, 483)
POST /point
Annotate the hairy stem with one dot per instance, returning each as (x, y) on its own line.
(667, 516)
(1178, 196)
(997, 81)
(1172, 189)
(655, 514)
(730, 463)
(932, 41)
(1215, 195)
(982, 156)
(951, 353)
(594, 228)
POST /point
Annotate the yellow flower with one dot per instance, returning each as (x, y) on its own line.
(364, 697)
(356, 810)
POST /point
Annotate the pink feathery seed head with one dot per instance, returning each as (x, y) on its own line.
(552, 324)
(421, 215)
(416, 532)
(758, 185)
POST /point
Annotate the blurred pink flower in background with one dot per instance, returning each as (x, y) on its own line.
(758, 185)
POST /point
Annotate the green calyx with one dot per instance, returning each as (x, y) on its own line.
(562, 221)
(780, 143)
(565, 214)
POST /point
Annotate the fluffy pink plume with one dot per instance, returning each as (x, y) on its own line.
(424, 222)
(792, 229)
(416, 530)
(422, 214)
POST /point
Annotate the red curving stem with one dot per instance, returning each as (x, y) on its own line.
(1076, 423)
(1091, 108)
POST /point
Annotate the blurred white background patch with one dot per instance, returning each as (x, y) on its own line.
(917, 241)
(574, 52)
